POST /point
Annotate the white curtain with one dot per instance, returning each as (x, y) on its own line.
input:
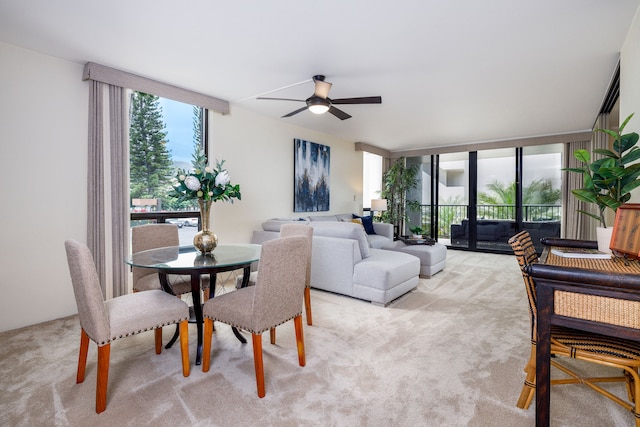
(108, 186)
(577, 225)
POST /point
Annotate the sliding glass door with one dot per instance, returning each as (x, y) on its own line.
(478, 200)
(496, 198)
(453, 199)
(541, 191)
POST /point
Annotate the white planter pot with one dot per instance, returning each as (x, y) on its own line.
(604, 238)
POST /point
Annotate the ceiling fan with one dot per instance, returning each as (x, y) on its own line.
(320, 103)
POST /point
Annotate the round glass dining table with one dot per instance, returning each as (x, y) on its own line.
(185, 260)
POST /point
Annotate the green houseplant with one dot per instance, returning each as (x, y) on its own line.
(608, 181)
(395, 183)
(416, 230)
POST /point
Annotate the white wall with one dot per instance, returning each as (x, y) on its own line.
(629, 77)
(43, 132)
(630, 83)
(259, 156)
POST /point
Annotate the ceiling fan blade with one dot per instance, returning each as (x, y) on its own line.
(281, 99)
(322, 88)
(299, 110)
(362, 100)
(339, 113)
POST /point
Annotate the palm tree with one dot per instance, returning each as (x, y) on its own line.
(538, 192)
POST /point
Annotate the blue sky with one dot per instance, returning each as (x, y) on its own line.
(178, 118)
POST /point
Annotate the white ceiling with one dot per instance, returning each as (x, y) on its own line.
(449, 72)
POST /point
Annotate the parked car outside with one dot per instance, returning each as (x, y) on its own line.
(191, 222)
(177, 221)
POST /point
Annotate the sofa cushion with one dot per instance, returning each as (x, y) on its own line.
(377, 241)
(275, 223)
(345, 230)
(321, 218)
(385, 269)
(357, 221)
(367, 223)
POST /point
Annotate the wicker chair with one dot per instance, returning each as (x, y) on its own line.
(600, 349)
(104, 322)
(151, 236)
(285, 231)
(275, 299)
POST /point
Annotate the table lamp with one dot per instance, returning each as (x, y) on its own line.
(378, 205)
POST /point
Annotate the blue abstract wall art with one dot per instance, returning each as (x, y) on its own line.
(311, 180)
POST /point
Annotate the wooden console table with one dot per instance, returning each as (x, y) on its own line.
(600, 296)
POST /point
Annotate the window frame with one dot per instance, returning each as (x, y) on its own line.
(161, 217)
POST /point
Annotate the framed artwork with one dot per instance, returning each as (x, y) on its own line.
(625, 239)
(311, 176)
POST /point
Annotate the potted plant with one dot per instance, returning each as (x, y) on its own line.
(417, 231)
(608, 181)
(395, 183)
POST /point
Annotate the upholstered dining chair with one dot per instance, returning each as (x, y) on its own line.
(151, 236)
(275, 299)
(599, 349)
(285, 231)
(105, 321)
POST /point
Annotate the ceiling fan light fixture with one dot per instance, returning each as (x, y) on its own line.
(319, 109)
(318, 105)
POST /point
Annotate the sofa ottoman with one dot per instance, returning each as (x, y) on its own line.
(432, 257)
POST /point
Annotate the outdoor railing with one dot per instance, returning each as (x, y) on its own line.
(162, 216)
(454, 214)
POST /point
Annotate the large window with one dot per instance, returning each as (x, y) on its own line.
(371, 178)
(163, 136)
(496, 198)
(484, 197)
(453, 199)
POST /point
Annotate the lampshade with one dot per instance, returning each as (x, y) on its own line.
(379, 204)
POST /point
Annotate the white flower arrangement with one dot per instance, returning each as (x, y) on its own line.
(205, 182)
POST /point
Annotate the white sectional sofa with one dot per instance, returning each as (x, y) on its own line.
(347, 261)
(383, 231)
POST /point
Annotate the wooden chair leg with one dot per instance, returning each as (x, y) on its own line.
(297, 321)
(257, 361)
(82, 358)
(103, 377)
(636, 393)
(272, 335)
(206, 344)
(158, 338)
(532, 357)
(307, 305)
(184, 347)
(529, 386)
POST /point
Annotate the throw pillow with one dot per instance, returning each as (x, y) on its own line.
(358, 221)
(367, 223)
(343, 230)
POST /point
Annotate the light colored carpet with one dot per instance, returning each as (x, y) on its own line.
(450, 353)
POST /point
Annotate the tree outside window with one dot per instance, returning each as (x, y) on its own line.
(159, 145)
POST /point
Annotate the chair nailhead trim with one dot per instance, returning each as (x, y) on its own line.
(215, 319)
(141, 330)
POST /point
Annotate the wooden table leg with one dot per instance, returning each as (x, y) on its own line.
(543, 354)
(197, 308)
(246, 271)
